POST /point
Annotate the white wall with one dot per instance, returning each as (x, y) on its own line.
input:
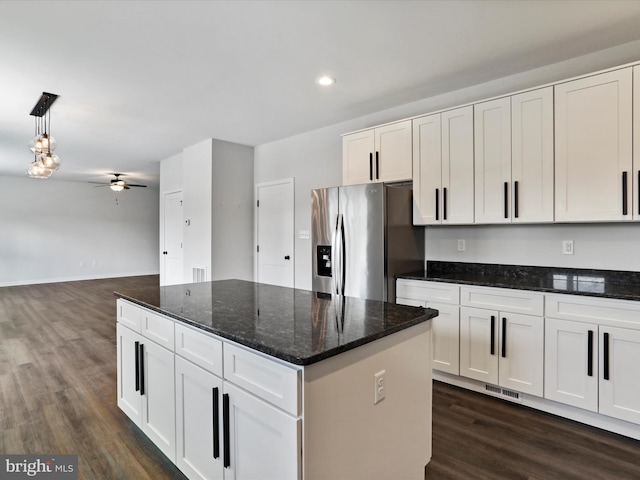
(196, 195)
(232, 211)
(54, 231)
(314, 159)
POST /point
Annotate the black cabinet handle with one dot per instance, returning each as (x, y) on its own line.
(226, 431)
(624, 193)
(504, 337)
(437, 204)
(590, 353)
(371, 166)
(142, 369)
(444, 203)
(493, 335)
(216, 423)
(506, 199)
(377, 166)
(605, 354)
(515, 199)
(137, 347)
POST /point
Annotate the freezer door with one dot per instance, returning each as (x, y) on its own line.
(363, 211)
(324, 213)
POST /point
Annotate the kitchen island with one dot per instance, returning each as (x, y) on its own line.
(234, 379)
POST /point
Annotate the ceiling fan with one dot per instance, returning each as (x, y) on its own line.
(118, 185)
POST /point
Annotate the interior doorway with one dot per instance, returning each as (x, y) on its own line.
(171, 248)
(275, 232)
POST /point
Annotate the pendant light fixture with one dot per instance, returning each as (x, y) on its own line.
(45, 162)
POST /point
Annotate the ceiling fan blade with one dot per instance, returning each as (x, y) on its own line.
(134, 185)
(99, 183)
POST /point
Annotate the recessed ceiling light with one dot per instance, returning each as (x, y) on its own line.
(326, 80)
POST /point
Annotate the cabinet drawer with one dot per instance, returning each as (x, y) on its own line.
(272, 381)
(428, 291)
(505, 300)
(200, 348)
(157, 328)
(129, 315)
(606, 311)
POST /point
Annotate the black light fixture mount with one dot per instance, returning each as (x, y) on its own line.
(45, 102)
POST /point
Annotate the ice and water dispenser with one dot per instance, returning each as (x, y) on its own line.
(323, 253)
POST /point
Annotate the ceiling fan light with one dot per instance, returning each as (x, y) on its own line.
(50, 160)
(117, 187)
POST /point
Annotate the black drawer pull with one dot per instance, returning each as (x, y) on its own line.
(437, 204)
(624, 193)
(590, 353)
(493, 335)
(605, 355)
(504, 337)
(444, 203)
(515, 199)
(216, 424)
(506, 199)
(371, 167)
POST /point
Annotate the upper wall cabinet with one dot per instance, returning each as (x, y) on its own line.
(380, 154)
(492, 134)
(593, 144)
(636, 142)
(443, 168)
(532, 156)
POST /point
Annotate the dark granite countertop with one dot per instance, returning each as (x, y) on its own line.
(595, 283)
(298, 326)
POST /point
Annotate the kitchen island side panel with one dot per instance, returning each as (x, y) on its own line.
(346, 435)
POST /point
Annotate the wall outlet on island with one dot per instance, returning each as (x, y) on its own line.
(461, 245)
(379, 387)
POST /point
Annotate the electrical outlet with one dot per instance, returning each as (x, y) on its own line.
(567, 247)
(303, 234)
(461, 245)
(379, 387)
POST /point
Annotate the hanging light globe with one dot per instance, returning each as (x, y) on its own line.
(50, 161)
(43, 143)
(38, 170)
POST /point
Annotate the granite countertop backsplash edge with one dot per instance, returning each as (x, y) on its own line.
(623, 285)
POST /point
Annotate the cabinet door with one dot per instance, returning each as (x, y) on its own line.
(571, 368)
(129, 399)
(198, 421)
(619, 377)
(479, 344)
(457, 166)
(446, 338)
(593, 127)
(427, 171)
(521, 353)
(158, 409)
(393, 156)
(532, 156)
(265, 442)
(357, 157)
(492, 134)
(636, 142)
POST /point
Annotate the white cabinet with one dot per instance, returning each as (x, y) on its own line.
(531, 194)
(227, 432)
(381, 154)
(593, 141)
(445, 327)
(502, 347)
(146, 392)
(264, 442)
(492, 134)
(592, 351)
(443, 168)
(571, 363)
(636, 142)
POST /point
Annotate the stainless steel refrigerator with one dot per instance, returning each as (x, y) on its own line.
(362, 236)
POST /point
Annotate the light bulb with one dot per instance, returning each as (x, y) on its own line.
(117, 187)
(50, 160)
(43, 143)
(38, 170)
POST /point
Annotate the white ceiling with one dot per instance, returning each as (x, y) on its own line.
(140, 80)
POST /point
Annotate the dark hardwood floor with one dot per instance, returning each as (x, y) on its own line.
(58, 395)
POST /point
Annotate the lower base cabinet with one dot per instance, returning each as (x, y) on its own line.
(594, 367)
(224, 432)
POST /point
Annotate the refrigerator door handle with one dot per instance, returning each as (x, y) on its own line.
(343, 257)
(337, 254)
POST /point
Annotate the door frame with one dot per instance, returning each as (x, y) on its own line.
(258, 186)
(162, 227)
